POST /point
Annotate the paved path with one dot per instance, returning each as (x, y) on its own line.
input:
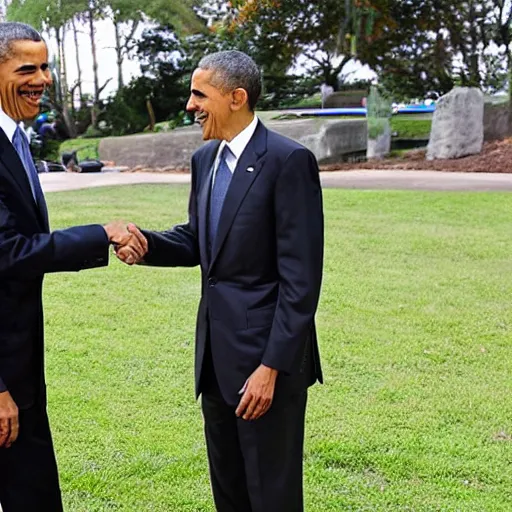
(388, 180)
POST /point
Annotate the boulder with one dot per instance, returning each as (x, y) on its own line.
(379, 144)
(496, 121)
(457, 125)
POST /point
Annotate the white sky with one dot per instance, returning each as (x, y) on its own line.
(107, 66)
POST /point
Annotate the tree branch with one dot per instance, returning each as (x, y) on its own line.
(100, 90)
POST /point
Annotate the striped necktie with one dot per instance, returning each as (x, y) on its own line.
(220, 187)
(20, 143)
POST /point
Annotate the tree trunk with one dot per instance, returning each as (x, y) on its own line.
(509, 69)
(119, 54)
(473, 64)
(68, 118)
(96, 101)
(78, 66)
(58, 88)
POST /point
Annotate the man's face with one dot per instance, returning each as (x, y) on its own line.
(212, 107)
(24, 76)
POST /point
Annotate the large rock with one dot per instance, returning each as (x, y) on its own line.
(496, 121)
(328, 139)
(457, 125)
(379, 146)
(334, 140)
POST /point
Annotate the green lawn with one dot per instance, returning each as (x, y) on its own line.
(415, 326)
(412, 127)
(86, 148)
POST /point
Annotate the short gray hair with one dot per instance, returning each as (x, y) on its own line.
(13, 31)
(232, 70)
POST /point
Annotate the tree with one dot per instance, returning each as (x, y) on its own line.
(323, 33)
(502, 17)
(127, 15)
(166, 67)
(422, 47)
(53, 17)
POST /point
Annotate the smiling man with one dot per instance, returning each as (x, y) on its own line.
(256, 229)
(28, 471)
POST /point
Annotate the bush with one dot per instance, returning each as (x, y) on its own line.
(377, 126)
(92, 133)
(50, 150)
(284, 91)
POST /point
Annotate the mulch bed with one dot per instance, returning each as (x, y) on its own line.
(496, 157)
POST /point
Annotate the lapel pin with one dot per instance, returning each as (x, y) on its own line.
(250, 169)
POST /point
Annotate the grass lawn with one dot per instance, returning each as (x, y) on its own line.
(415, 326)
(86, 148)
(407, 127)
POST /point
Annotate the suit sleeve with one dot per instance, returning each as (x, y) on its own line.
(28, 257)
(300, 241)
(178, 246)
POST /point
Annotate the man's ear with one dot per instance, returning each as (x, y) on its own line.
(239, 99)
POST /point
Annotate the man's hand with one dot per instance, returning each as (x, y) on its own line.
(130, 244)
(258, 393)
(8, 420)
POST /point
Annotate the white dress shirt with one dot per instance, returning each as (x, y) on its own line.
(236, 147)
(7, 124)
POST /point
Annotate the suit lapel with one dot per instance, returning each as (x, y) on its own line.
(17, 174)
(206, 167)
(247, 169)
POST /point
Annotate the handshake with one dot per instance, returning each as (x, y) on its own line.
(129, 243)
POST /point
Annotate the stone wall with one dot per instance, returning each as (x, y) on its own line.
(346, 99)
(328, 139)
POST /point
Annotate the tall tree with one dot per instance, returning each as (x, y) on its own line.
(78, 83)
(322, 32)
(424, 46)
(502, 17)
(53, 17)
(127, 15)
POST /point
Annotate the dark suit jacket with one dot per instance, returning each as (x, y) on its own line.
(261, 278)
(27, 252)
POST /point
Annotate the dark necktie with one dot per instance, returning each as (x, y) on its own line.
(220, 187)
(20, 143)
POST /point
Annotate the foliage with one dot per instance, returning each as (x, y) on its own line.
(377, 104)
(414, 327)
(166, 69)
(377, 126)
(424, 48)
(282, 91)
(92, 132)
(320, 32)
(50, 150)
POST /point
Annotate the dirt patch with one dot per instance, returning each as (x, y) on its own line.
(496, 157)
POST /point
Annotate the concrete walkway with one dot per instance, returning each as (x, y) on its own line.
(373, 180)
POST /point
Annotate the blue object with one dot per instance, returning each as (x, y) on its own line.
(40, 119)
(20, 142)
(359, 111)
(221, 183)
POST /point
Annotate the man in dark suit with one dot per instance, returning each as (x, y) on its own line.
(28, 471)
(256, 229)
